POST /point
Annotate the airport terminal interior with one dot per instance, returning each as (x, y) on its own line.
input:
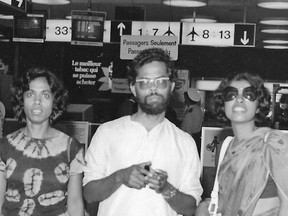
(89, 44)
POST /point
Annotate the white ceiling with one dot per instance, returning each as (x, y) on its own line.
(225, 11)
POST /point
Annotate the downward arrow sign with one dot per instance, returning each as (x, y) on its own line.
(244, 40)
(121, 26)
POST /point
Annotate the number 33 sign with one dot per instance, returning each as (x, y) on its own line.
(58, 30)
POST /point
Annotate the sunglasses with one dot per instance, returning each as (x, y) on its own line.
(249, 93)
(160, 82)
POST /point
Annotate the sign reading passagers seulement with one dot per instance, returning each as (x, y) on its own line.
(131, 45)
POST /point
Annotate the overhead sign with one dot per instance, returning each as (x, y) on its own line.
(115, 29)
(218, 34)
(118, 28)
(21, 4)
(131, 45)
(58, 30)
(156, 28)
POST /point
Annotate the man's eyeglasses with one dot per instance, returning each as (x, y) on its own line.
(249, 93)
(160, 82)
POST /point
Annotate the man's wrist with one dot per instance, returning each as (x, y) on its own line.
(169, 193)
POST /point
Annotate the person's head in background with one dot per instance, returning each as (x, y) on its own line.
(151, 78)
(191, 97)
(283, 102)
(40, 94)
(254, 95)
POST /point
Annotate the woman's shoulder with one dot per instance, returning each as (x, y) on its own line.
(277, 138)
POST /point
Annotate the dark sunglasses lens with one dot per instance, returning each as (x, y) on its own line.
(230, 93)
(250, 93)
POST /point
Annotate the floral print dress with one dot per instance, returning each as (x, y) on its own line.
(37, 172)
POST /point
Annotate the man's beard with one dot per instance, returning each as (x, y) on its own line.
(154, 108)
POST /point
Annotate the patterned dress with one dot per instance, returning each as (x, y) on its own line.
(37, 173)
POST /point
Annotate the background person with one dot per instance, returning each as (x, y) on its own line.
(40, 167)
(2, 118)
(193, 117)
(252, 177)
(282, 115)
(143, 164)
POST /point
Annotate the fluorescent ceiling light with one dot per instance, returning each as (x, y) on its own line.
(199, 19)
(4, 40)
(274, 21)
(275, 47)
(275, 30)
(185, 3)
(7, 17)
(51, 2)
(273, 4)
(275, 41)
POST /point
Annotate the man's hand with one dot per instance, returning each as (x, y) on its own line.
(135, 175)
(157, 180)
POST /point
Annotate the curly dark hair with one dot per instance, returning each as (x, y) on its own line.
(21, 85)
(147, 56)
(264, 96)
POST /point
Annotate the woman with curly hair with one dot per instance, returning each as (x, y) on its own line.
(40, 167)
(252, 171)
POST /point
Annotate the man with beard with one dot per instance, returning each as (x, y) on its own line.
(143, 165)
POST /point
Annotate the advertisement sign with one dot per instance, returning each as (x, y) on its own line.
(211, 138)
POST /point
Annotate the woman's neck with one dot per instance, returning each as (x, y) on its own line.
(41, 131)
(242, 131)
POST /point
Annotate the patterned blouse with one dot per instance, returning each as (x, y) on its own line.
(37, 173)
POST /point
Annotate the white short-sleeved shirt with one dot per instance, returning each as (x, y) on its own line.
(121, 143)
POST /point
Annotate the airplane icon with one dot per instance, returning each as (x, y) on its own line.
(169, 32)
(193, 33)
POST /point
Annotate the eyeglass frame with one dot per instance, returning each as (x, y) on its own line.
(147, 82)
(241, 91)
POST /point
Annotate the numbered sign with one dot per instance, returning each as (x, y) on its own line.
(218, 34)
(208, 34)
(58, 30)
(19, 4)
(156, 28)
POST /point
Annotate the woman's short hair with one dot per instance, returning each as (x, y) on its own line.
(264, 97)
(147, 56)
(21, 85)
